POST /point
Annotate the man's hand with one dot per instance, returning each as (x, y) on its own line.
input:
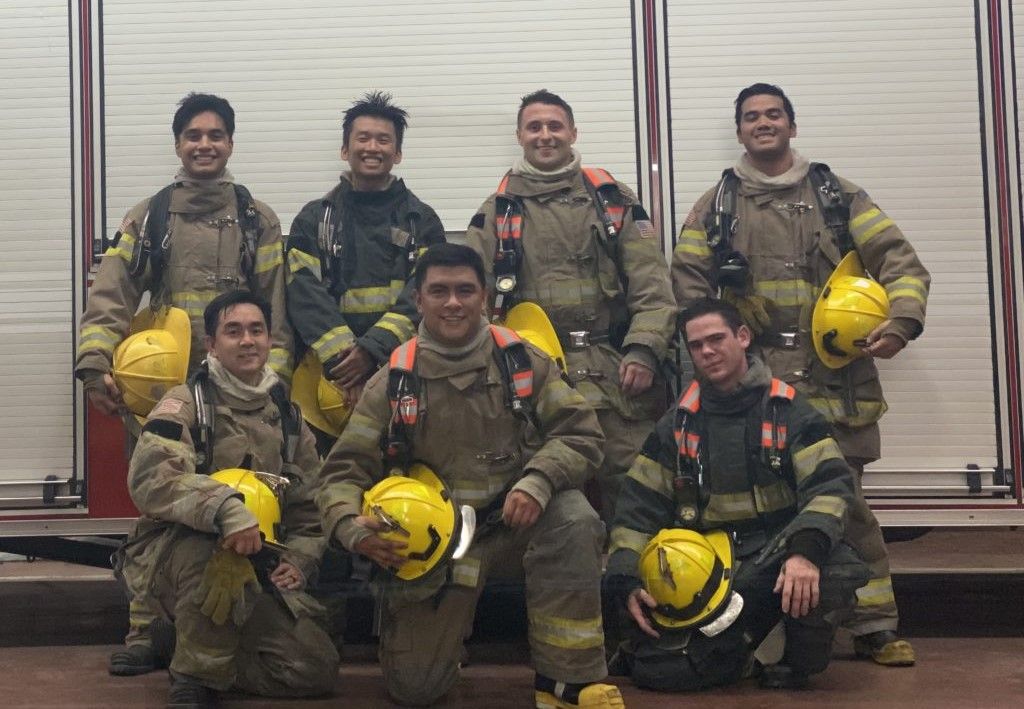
(244, 543)
(288, 577)
(883, 346)
(637, 597)
(383, 552)
(798, 583)
(355, 367)
(352, 395)
(520, 510)
(634, 378)
(108, 399)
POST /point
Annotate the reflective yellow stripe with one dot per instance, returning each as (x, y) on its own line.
(362, 431)
(693, 241)
(554, 397)
(626, 538)
(466, 572)
(124, 249)
(299, 259)
(373, 299)
(786, 293)
(774, 497)
(333, 341)
(806, 460)
(730, 507)
(564, 292)
(656, 321)
(397, 324)
(652, 475)
(566, 633)
(279, 362)
(97, 337)
(876, 592)
(907, 287)
(475, 491)
(269, 256)
(868, 224)
(868, 412)
(827, 505)
(193, 302)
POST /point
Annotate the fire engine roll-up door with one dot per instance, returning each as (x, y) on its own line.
(886, 94)
(291, 68)
(36, 291)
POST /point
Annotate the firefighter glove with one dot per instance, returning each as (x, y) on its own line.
(222, 592)
(753, 309)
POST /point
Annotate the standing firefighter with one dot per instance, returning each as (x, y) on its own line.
(352, 253)
(499, 430)
(578, 244)
(201, 236)
(226, 555)
(768, 237)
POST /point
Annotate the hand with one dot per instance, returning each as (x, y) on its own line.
(637, 597)
(222, 590)
(354, 368)
(288, 577)
(352, 395)
(520, 510)
(634, 378)
(881, 345)
(383, 552)
(798, 582)
(244, 543)
(108, 399)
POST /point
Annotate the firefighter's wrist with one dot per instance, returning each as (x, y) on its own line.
(348, 533)
(233, 517)
(642, 355)
(811, 544)
(904, 328)
(92, 380)
(537, 486)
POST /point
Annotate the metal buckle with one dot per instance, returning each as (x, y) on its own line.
(579, 338)
(789, 340)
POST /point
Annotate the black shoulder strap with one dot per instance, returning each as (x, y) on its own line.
(720, 223)
(155, 238)
(513, 359)
(834, 203)
(202, 431)
(290, 427)
(249, 223)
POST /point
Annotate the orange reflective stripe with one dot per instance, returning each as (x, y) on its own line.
(503, 336)
(690, 400)
(503, 185)
(404, 356)
(766, 434)
(781, 390)
(509, 227)
(598, 177)
(692, 445)
(616, 213)
(781, 437)
(523, 383)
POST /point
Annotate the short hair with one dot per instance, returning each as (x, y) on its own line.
(376, 104)
(544, 96)
(759, 89)
(710, 306)
(219, 305)
(448, 255)
(194, 104)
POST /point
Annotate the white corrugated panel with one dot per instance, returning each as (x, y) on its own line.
(36, 332)
(887, 94)
(290, 69)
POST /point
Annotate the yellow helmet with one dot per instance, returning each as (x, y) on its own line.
(154, 359)
(261, 493)
(689, 574)
(532, 324)
(323, 405)
(417, 509)
(849, 307)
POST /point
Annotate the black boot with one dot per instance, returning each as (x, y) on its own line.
(189, 694)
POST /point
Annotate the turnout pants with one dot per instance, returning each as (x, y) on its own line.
(424, 624)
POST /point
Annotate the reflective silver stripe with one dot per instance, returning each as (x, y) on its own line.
(730, 507)
(774, 497)
(827, 505)
(876, 592)
(193, 302)
(362, 431)
(97, 337)
(279, 361)
(466, 572)
(625, 538)
(333, 341)
(868, 224)
(834, 409)
(693, 241)
(806, 460)
(652, 475)
(907, 287)
(787, 293)
(299, 259)
(563, 292)
(397, 324)
(566, 633)
(268, 257)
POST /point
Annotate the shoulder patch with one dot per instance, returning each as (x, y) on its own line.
(478, 220)
(167, 406)
(170, 430)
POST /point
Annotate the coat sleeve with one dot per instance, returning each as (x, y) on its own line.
(480, 237)
(113, 299)
(270, 279)
(693, 275)
(314, 311)
(162, 478)
(399, 323)
(573, 446)
(305, 538)
(354, 464)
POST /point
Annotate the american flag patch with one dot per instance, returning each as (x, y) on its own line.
(691, 217)
(646, 228)
(167, 406)
(125, 223)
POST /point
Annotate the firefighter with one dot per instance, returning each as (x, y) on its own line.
(767, 238)
(491, 415)
(201, 549)
(351, 254)
(201, 236)
(577, 243)
(742, 472)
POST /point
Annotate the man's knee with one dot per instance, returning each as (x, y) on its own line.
(418, 686)
(569, 516)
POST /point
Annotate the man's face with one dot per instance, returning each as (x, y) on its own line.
(717, 352)
(547, 136)
(451, 301)
(242, 342)
(765, 129)
(204, 146)
(372, 150)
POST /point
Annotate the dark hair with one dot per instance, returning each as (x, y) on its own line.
(375, 104)
(711, 306)
(219, 305)
(449, 256)
(758, 90)
(545, 96)
(194, 104)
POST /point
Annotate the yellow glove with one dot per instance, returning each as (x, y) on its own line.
(222, 590)
(753, 309)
